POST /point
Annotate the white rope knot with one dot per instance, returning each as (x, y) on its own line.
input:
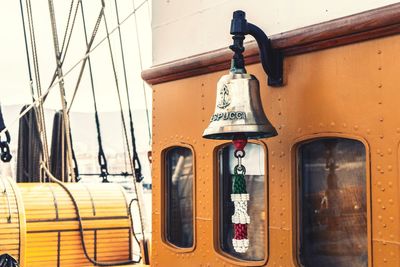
(240, 245)
(240, 197)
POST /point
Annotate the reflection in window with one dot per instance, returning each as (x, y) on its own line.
(255, 185)
(179, 196)
(333, 211)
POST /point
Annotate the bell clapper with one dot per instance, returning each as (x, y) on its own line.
(240, 197)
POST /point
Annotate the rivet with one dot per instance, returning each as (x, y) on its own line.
(273, 153)
(379, 183)
(379, 68)
(381, 136)
(273, 167)
(381, 119)
(384, 225)
(380, 217)
(368, 131)
(383, 189)
(299, 130)
(391, 201)
(379, 52)
(321, 124)
(391, 218)
(356, 127)
(390, 168)
(332, 123)
(279, 113)
(383, 207)
(344, 125)
(384, 260)
(280, 141)
(389, 151)
(390, 184)
(379, 200)
(380, 103)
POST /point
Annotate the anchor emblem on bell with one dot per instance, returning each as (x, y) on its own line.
(224, 100)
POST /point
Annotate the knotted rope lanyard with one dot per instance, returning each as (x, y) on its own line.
(240, 197)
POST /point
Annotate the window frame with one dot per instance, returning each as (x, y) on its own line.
(216, 210)
(296, 194)
(164, 201)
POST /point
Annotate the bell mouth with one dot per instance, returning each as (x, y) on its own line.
(249, 131)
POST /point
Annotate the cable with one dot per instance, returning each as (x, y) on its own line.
(41, 97)
(123, 124)
(137, 165)
(102, 160)
(107, 36)
(88, 46)
(40, 114)
(27, 50)
(141, 68)
(62, 89)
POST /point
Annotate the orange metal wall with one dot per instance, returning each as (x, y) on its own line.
(350, 91)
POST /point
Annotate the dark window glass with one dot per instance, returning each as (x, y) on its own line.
(333, 211)
(179, 197)
(254, 161)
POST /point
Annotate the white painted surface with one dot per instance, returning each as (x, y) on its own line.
(182, 28)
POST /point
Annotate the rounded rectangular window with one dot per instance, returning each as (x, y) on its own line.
(254, 162)
(332, 203)
(179, 196)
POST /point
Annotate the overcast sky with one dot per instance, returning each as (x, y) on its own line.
(14, 87)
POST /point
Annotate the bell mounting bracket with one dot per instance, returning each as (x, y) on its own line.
(271, 58)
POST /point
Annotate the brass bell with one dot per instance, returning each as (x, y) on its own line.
(238, 110)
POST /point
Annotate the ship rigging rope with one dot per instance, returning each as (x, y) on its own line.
(65, 45)
(81, 229)
(141, 68)
(137, 165)
(88, 46)
(132, 163)
(62, 90)
(40, 114)
(27, 51)
(41, 97)
(102, 160)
